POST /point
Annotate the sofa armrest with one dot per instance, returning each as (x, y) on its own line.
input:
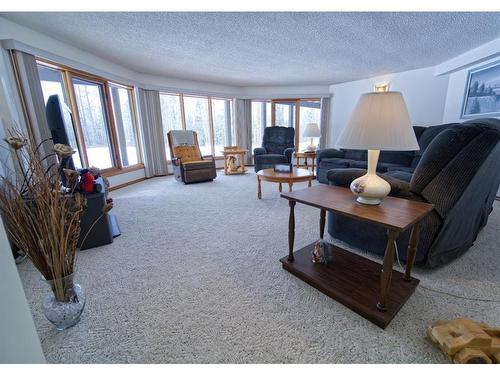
(259, 151)
(344, 177)
(288, 153)
(208, 157)
(330, 153)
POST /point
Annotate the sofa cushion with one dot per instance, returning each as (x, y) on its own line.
(187, 153)
(397, 157)
(381, 167)
(356, 154)
(400, 175)
(327, 164)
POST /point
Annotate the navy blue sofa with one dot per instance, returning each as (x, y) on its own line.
(277, 147)
(456, 169)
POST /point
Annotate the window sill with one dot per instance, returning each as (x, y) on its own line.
(115, 171)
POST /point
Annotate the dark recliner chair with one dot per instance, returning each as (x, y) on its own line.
(277, 147)
(458, 173)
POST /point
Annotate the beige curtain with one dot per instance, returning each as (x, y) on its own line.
(32, 99)
(155, 159)
(325, 122)
(243, 115)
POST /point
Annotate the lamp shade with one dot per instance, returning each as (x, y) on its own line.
(311, 131)
(380, 121)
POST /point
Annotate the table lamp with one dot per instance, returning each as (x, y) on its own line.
(380, 121)
(312, 131)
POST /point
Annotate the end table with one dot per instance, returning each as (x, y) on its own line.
(306, 155)
(231, 156)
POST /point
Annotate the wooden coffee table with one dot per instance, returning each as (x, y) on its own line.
(297, 175)
(353, 280)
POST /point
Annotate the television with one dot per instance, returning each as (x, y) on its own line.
(59, 119)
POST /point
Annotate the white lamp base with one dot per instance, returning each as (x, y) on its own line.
(370, 188)
(311, 148)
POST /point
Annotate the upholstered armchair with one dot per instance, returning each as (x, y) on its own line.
(277, 147)
(188, 163)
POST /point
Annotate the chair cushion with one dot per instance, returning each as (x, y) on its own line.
(187, 153)
(271, 158)
(198, 164)
(426, 137)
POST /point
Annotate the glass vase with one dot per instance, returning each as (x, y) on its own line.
(63, 306)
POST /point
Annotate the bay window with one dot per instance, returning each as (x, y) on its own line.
(103, 114)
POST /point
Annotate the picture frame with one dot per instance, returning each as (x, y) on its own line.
(283, 168)
(482, 92)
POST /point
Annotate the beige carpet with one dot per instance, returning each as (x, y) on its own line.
(195, 277)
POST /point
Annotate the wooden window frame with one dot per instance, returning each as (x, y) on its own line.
(296, 102)
(68, 74)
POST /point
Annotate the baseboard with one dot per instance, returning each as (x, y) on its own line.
(116, 187)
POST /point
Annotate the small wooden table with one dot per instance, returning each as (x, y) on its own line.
(306, 155)
(297, 175)
(351, 279)
(231, 154)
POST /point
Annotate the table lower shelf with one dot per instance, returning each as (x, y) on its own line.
(354, 281)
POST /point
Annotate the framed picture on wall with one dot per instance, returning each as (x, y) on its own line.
(482, 94)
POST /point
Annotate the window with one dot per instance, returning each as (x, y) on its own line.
(211, 119)
(285, 114)
(89, 97)
(196, 112)
(297, 113)
(221, 117)
(52, 82)
(122, 99)
(103, 115)
(310, 112)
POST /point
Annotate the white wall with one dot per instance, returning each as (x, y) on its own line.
(424, 93)
(19, 341)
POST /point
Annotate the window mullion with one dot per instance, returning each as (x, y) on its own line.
(211, 126)
(68, 81)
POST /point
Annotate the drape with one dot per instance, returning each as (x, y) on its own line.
(324, 122)
(244, 126)
(155, 160)
(32, 99)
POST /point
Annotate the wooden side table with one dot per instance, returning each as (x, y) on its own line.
(306, 155)
(351, 279)
(231, 156)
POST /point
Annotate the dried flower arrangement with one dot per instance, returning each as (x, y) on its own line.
(42, 216)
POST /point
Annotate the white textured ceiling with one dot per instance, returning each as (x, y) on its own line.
(250, 49)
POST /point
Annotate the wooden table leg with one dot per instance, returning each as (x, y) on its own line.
(280, 187)
(291, 230)
(322, 216)
(259, 192)
(412, 251)
(242, 162)
(309, 182)
(385, 277)
(290, 184)
(313, 164)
